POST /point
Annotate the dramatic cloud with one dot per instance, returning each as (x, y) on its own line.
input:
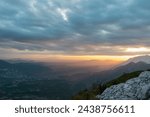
(80, 27)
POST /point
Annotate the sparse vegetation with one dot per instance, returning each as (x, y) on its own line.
(90, 94)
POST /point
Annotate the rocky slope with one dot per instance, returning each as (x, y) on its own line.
(133, 89)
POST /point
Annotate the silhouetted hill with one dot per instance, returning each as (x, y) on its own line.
(101, 80)
(26, 69)
(32, 81)
(111, 74)
(4, 64)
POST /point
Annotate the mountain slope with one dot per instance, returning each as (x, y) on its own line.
(108, 75)
(26, 70)
(101, 80)
(137, 88)
(98, 89)
(31, 81)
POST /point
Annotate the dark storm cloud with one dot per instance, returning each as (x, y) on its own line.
(70, 26)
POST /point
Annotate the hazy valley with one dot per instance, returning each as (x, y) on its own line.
(37, 80)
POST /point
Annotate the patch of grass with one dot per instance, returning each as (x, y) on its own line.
(123, 78)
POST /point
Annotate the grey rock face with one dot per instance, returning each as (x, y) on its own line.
(133, 89)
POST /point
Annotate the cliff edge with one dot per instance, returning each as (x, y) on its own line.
(134, 89)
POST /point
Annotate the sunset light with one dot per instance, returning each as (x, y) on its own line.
(141, 49)
(75, 49)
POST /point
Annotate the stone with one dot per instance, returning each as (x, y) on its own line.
(133, 89)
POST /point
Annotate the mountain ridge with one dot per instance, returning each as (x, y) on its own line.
(23, 75)
(145, 59)
(108, 75)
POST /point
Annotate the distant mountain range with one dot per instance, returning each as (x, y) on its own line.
(145, 59)
(33, 80)
(131, 65)
(25, 69)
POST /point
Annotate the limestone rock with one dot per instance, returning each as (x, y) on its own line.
(133, 89)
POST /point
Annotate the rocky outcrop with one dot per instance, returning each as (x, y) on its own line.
(133, 89)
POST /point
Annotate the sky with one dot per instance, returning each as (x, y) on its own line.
(74, 29)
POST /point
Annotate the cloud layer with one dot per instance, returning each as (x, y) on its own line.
(90, 27)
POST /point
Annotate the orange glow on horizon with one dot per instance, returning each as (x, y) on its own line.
(78, 57)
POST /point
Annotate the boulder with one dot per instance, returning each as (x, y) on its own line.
(133, 89)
